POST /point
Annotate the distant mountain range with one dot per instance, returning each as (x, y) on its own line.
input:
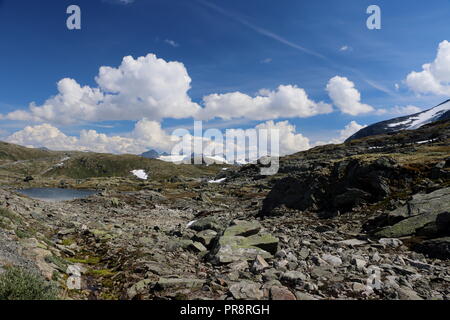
(411, 122)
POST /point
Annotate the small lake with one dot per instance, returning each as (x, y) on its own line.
(56, 194)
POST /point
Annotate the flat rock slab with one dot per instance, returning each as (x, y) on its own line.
(243, 229)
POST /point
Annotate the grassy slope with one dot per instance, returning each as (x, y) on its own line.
(12, 152)
(107, 165)
(16, 162)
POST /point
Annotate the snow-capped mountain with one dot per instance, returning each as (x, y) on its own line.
(411, 122)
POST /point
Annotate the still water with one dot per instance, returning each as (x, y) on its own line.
(56, 194)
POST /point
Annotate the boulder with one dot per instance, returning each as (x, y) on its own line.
(207, 223)
(410, 226)
(230, 249)
(435, 202)
(246, 290)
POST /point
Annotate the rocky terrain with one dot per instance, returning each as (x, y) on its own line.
(369, 219)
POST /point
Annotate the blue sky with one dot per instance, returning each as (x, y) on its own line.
(225, 46)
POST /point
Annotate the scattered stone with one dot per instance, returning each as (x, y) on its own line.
(304, 296)
(352, 242)
(333, 260)
(178, 283)
(246, 290)
(294, 277)
(405, 293)
(281, 293)
(259, 265)
(389, 242)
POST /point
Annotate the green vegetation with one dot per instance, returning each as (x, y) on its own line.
(16, 153)
(57, 261)
(94, 165)
(19, 284)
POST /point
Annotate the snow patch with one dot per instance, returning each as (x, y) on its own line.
(191, 223)
(217, 181)
(140, 174)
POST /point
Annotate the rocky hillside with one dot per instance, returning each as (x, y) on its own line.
(368, 219)
(27, 167)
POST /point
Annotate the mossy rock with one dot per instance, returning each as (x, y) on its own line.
(231, 248)
(243, 229)
(408, 227)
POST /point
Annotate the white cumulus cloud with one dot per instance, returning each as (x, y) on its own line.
(346, 97)
(285, 102)
(143, 87)
(435, 76)
(146, 135)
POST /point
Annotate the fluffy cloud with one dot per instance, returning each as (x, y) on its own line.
(146, 134)
(143, 87)
(346, 97)
(435, 76)
(285, 102)
(156, 89)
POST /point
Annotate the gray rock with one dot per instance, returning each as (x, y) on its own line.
(178, 283)
(141, 287)
(205, 237)
(281, 293)
(304, 296)
(246, 290)
(197, 247)
(294, 277)
(207, 223)
(390, 242)
(333, 260)
(259, 265)
(405, 293)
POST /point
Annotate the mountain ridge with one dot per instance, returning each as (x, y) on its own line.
(409, 122)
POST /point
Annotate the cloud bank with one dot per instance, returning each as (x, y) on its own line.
(435, 76)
